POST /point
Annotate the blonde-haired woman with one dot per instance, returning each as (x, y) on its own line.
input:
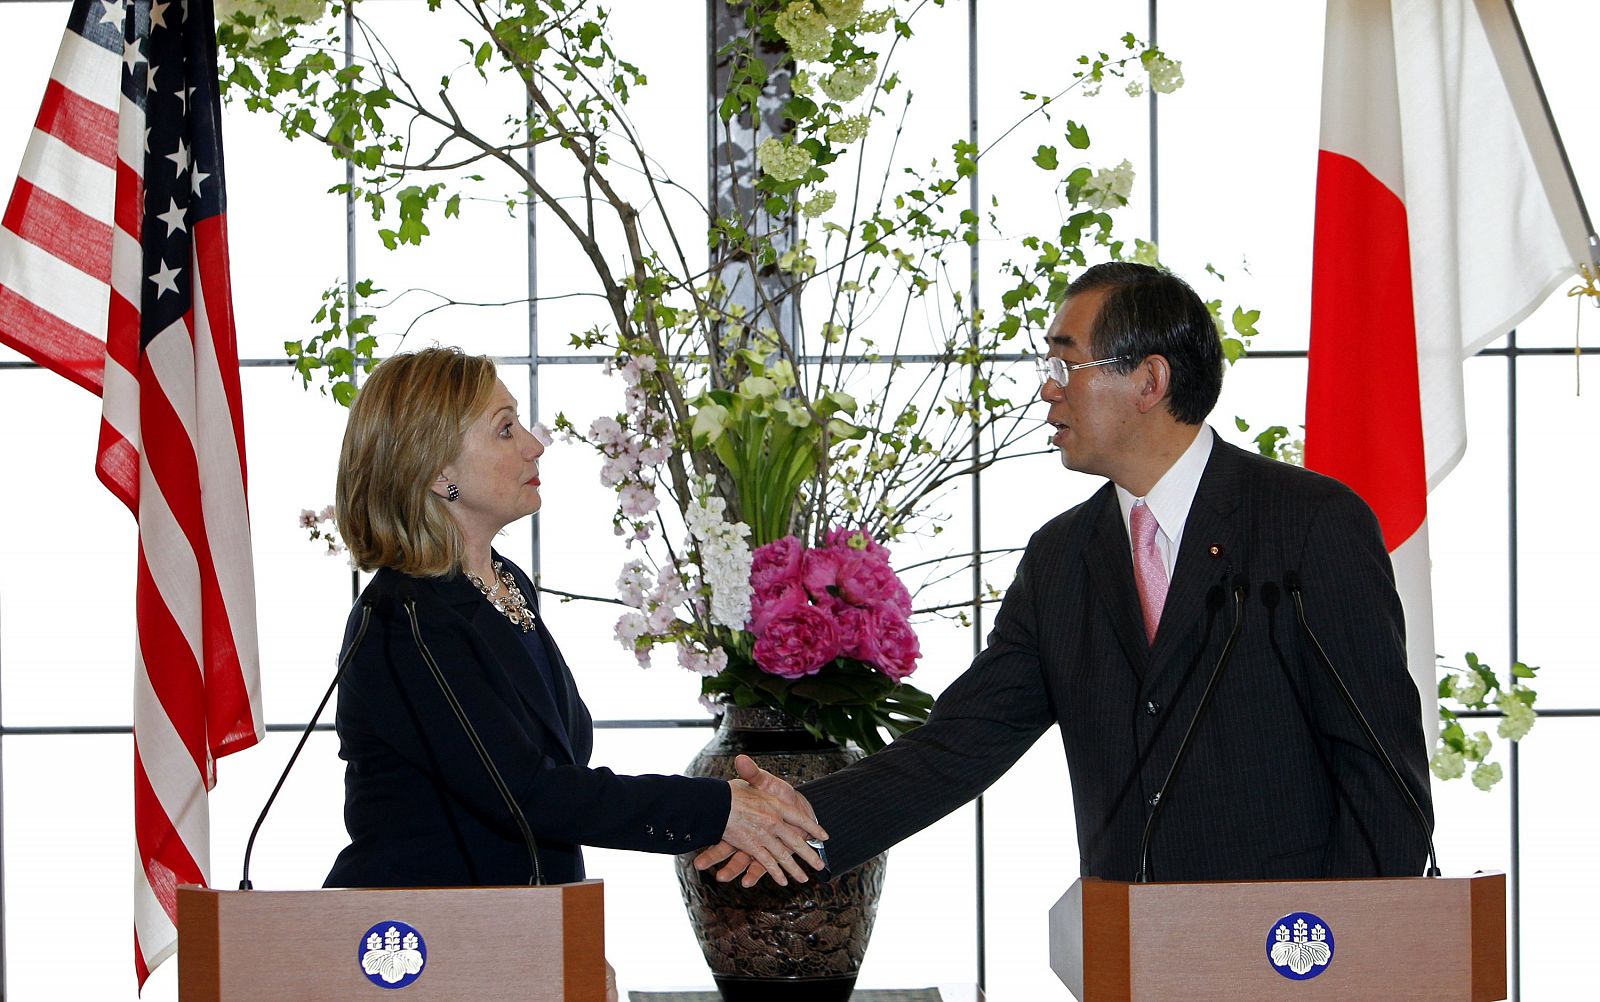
(435, 462)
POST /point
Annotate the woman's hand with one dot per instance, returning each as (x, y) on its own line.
(768, 822)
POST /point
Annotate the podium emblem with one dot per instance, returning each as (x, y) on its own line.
(392, 954)
(1300, 946)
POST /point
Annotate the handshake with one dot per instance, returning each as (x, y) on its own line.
(769, 831)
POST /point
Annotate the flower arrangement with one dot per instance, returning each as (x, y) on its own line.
(812, 391)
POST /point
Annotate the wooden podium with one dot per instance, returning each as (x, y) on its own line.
(1435, 939)
(533, 944)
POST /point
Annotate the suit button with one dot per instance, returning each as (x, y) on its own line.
(1151, 707)
(1155, 798)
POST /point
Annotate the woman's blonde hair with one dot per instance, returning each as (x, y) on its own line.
(405, 426)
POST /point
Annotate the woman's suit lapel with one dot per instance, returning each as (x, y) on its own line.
(504, 641)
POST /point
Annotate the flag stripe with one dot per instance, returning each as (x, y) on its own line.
(89, 70)
(59, 229)
(51, 165)
(52, 341)
(79, 123)
(1362, 388)
(52, 284)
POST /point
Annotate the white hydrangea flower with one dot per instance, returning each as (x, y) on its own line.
(817, 204)
(855, 127)
(1469, 687)
(783, 161)
(1135, 88)
(1109, 188)
(1166, 75)
(873, 21)
(840, 13)
(1479, 745)
(1486, 775)
(801, 83)
(805, 29)
(847, 82)
(1447, 763)
(1518, 717)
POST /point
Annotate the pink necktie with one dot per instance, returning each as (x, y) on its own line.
(1149, 574)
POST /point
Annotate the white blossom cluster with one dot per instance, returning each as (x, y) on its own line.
(1110, 187)
(783, 161)
(1518, 716)
(848, 130)
(819, 203)
(1166, 75)
(724, 558)
(655, 600)
(633, 447)
(847, 82)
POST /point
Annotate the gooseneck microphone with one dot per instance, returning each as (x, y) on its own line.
(536, 876)
(1291, 584)
(1240, 588)
(344, 662)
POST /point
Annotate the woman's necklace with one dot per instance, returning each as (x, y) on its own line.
(512, 604)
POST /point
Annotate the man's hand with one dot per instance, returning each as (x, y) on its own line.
(756, 858)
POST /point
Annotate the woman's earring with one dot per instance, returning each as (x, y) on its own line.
(452, 492)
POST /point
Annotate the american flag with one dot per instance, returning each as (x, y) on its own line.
(114, 273)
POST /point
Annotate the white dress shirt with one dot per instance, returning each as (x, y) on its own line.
(1170, 499)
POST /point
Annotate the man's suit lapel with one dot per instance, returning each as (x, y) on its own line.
(1205, 558)
(505, 641)
(1110, 564)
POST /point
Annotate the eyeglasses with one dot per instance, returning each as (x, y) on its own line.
(1057, 370)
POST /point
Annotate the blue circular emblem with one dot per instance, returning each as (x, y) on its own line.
(1300, 946)
(392, 954)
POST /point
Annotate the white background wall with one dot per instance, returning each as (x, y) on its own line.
(1238, 149)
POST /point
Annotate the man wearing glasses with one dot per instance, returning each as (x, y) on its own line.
(1117, 621)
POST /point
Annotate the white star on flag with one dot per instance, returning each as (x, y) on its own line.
(181, 158)
(196, 178)
(158, 13)
(149, 77)
(166, 280)
(131, 55)
(174, 217)
(182, 94)
(112, 15)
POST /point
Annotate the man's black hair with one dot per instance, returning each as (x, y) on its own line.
(1148, 311)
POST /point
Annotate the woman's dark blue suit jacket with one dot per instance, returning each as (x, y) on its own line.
(419, 805)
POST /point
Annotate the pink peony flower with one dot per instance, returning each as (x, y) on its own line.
(864, 581)
(898, 647)
(775, 600)
(778, 562)
(798, 643)
(819, 570)
(882, 638)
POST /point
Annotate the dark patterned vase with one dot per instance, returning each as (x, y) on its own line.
(770, 943)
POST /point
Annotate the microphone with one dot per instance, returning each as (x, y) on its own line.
(1291, 584)
(536, 876)
(344, 662)
(1241, 588)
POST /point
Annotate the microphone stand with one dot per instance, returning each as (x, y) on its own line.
(249, 847)
(1291, 584)
(1239, 589)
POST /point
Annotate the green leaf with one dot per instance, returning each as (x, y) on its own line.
(1046, 158)
(1077, 136)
